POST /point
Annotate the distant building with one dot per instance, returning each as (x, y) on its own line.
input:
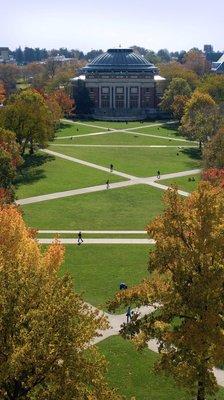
(122, 85)
(4, 54)
(218, 66)
(208, 48)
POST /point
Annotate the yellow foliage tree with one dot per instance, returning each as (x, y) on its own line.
(186, 289)
(45, 327)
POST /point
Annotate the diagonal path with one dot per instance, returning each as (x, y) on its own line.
(88, 164)
(75, 192)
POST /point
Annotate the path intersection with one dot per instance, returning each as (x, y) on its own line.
(115, 321)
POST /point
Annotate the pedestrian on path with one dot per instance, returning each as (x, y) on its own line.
(158, 174)
(111, 167)
(80, 239)
(107, 184)
(123, 286)
(128, 314)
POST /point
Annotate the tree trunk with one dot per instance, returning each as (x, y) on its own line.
(201, 391)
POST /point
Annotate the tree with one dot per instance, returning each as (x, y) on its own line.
(82, 99)
(10, 161)
(213, 152)
(2, 92)
(178, 106)
(177, 70)
(185, 288)
(164, 55)
(196, 61)
(215, 176)
(214, 86)
(201, 118)
(177, 87)
(64, 101)
(45, 326)
(18, 54)
(27, 114)
(9, 74)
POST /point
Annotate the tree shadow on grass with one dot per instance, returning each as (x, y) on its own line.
(192, 152)
(64, 126)
(30, 171)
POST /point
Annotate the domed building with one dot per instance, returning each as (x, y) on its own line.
(122, 85)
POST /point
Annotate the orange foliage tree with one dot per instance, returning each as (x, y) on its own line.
(185, 287)
(45, 327)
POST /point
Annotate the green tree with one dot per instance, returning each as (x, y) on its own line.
(177, 87)
(185, 288)
(176, 70)
(214, 86)
(27, 114)
(201, 118)
(45, 327)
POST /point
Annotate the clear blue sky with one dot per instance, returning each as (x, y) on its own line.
(172, 24)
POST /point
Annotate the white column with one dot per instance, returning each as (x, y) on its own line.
(114, 102)
(111, 100)
(128, 97)
(139, 97)
(99, 96)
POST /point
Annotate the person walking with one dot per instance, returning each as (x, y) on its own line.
(128, 314)
(80, 239)
(158, 174)
(111, 167)
(107, 184)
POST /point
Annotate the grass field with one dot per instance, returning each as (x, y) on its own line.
(183, 182)
(119, 125)
(128, 138)
(97, 271)
(128, 208)
(68, 129)
(132, 373)
(43, 174)
(139, 162)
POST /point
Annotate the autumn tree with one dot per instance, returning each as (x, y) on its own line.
(64, 101)
(27, 114)
(185, 289)
(2, 92)
(45, 327)
(176, 70)
(196, 61)
(213, 152)
(213, 84)
(176, 96)
(10, 161)
(9, 73)
(215, 176)
(201, 118)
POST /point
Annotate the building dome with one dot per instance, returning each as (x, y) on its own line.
(119, 60)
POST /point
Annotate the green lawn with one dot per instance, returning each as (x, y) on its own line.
(118, 125)
(129, 208)
(132, 373)
(42, 174)
(183, 182)
(97, 270)
(163, 130)
(69, 128)
(122, 138)
(139, 162)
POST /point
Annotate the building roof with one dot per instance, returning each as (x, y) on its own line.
(218, 66)
(119, 60)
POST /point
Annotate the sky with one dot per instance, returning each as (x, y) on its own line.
(102, 24)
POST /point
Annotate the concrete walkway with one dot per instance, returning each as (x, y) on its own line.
(75, 192)
(116, 321)
(88, 164)
(98, 241)
(94, 232)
